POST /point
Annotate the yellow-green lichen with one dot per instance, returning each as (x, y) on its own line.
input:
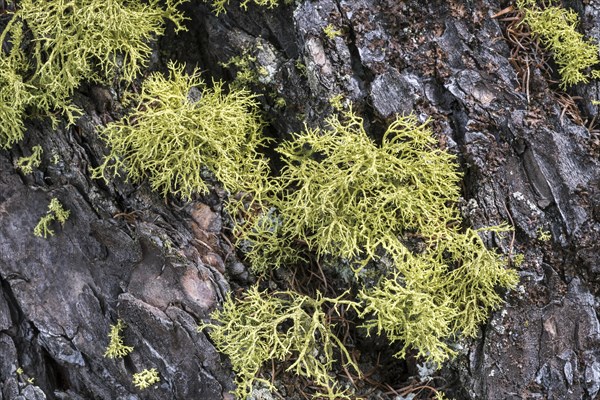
(173, 140)
(56, 212)
(15, 93)
(73, 41)
(246, 70)
(116, 348)
(346, 196)
(219, 5)
(259, 236)
(556, 28)
(279, 326)
(331, 32)
(543, 235)
(27, 164)
(337, 102)
(146, 378)
(440, 294)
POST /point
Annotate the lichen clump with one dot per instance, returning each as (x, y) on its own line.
(15, 93)
(393, 203)
(73, 41)
(556, 28)
(259, 235)
(278, 326)
(174, 141)
(350, 198)
(346, 196)
(438, 295)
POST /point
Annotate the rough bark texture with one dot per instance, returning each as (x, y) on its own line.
(161, 266)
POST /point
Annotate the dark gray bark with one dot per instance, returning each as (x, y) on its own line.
(523, 162)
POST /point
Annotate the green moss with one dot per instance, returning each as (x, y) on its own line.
(279, 326)
(27, 164)
(56, 212)
(116, 348)
(172, 140)
(557, 29)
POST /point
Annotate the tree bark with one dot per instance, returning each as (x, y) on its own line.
(162, 265)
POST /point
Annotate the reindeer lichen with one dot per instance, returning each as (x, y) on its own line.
(172, 140)
(279, 326)
(556, 28)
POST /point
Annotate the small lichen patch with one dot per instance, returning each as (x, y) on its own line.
(146, 378)
(55, 211)
(219, 5)
(556, 28)
(116, 348)
(27, 164)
